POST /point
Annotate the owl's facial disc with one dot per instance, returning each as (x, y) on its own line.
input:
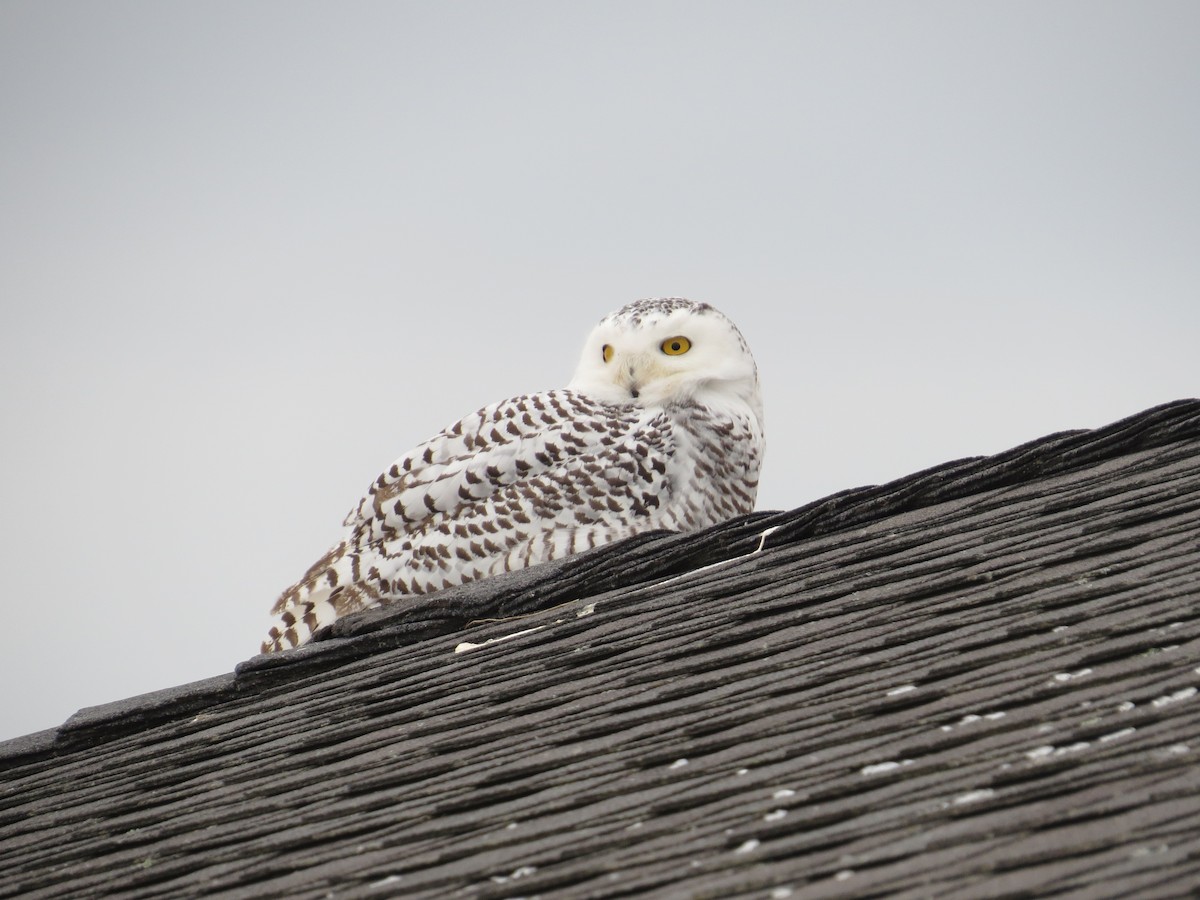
(635, 372)
(667, 352)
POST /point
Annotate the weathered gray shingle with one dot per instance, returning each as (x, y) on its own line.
(977, 681)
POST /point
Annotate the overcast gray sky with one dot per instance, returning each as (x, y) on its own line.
(253, 251)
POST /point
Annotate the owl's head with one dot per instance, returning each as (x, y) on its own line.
(667, 351)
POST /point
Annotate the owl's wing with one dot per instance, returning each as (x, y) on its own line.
(457, 507)
(507, 443)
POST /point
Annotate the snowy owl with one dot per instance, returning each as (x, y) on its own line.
(661, 427)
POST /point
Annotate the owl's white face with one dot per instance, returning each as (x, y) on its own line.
(667, 351)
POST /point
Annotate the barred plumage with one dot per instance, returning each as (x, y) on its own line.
(661, 427)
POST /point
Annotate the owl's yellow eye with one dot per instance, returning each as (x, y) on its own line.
(608, 352)
(676, 346)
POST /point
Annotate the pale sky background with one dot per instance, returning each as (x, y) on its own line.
(253, 251)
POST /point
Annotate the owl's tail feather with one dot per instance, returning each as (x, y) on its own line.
(308, 605)
(298, 622)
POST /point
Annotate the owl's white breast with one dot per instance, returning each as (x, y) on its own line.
(714, 472)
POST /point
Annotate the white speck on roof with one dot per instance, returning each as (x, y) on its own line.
(889, 766)
(974, 796)
(1184, 694)
(467, 645)
(762, 538)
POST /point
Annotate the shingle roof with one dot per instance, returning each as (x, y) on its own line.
(980, 680)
